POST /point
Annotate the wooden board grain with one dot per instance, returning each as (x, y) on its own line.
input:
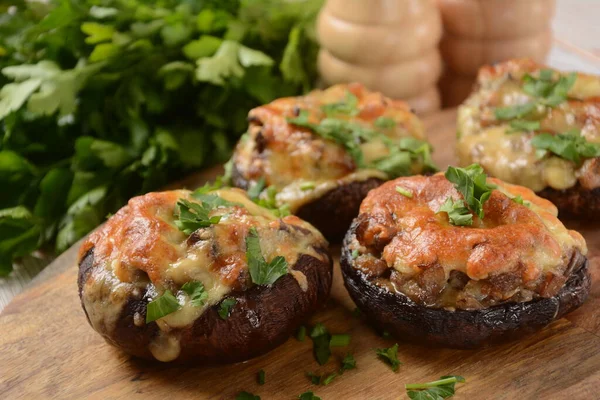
(47, 349)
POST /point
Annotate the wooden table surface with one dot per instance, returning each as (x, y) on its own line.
(577, 47)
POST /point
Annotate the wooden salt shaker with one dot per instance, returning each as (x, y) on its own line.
(481, 32)
(390, 46)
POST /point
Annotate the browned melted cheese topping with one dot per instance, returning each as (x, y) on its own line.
(141, 249)
(515, 253)
(484, 140)
(287, 155)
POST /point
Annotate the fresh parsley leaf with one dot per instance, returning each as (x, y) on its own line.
(196, 292)
(329, 378)
(314, 379)
(385, 123)
(355, 254)
(348, 106)
(458, 213)
(308, 396)
(518, 199)
(404, 192)
(301, 333)
(193, 216)
(225, 307)
(321, 339)
(161, 306)
(246, 396)
(270, 202)
(571, 145)
(516, 111)
(307, 185)
(390, 356)
(257, 187)
(348, 363)
(436, 390)
(471, 182)
(545, 90)
(339, 340)
(519, 125)
(261, 272)
(260, 377)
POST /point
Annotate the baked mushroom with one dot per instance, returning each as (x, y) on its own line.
(533, 126)
(201, 277)
(320, 154)
(458, 261)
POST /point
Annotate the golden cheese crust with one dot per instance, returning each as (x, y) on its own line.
(509, 155)
(285, 154)
(516, 253)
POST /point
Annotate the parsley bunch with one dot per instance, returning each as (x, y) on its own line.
(101, 101)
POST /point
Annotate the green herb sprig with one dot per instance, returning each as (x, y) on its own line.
(571, 145)
(262, 272)
(471, 182)
(437, 390)
(226, 306)
(164, 304)
(390, 356)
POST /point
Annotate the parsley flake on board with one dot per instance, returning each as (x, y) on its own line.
(260, 377)
(457, 211)
(226, 306)
(262, 272)
(390, 356)
(164, 304)
(436, 390)
(339, 340)
(196, 292)
(301, 333)
(246, 396)
(471, 182)
(321, 338)
(571, 145)
(308, 396)
(348, 363)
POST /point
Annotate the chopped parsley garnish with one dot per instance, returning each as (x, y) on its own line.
(301, 333)
(161, 306)
(246, 396)
(307, 185)
(544, 90)
(196, 292)
(260, 377)
(339, 340)
(262, 272)
(193, 216)
(321, 338)
(256, 188)
(269, 200)
(208, 187)
(404, 192)
(390, 356)
(457, 211)
(471, 182)
(308, 396)
(348, 363)
(516, 111)
(520, 125)
(518, 199)
(355, 254)
(571, 145)
(351, 135)
(436, 390)
(226, 306)
(348, 106)
(385, 123)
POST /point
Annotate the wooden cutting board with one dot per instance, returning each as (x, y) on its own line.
(48, 350)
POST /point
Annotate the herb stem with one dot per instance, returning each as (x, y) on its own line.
(440, 382)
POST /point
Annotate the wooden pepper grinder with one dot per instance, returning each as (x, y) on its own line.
(390, 46)
(481, 32)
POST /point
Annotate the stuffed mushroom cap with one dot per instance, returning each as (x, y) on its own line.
(321, 153)
(420, 277)
(201, 277)
(537, 127)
